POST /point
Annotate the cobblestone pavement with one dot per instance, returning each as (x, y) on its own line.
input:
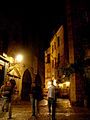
(64, 111)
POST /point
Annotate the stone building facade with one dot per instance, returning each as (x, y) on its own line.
(54, 57)
(12, 43)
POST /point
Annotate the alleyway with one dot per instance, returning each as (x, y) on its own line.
(64, 111)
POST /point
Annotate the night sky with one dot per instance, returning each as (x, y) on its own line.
(40, 20)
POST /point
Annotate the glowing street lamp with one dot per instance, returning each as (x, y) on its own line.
(15, 66)
(19, 58)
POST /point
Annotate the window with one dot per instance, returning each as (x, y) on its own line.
(58, 73)
(48, 58)
(58, 40)
(55, 63)
(58, 58)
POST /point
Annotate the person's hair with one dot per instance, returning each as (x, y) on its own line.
(13, 82)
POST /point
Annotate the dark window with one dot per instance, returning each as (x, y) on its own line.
(58, 58)
(48, 58)
(55, 63)
(58, 39)
(58, 73)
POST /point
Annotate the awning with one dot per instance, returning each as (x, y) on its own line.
(14, 72)
(14, 76)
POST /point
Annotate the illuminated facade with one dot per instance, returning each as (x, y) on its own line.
(12, 42)
(54, 57)
(47, 67)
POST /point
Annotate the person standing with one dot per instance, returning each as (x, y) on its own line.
(32, 98)
(7, 91)
(52, 100)
(39, 97)
(35, 97)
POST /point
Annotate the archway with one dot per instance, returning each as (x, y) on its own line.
(26, 85)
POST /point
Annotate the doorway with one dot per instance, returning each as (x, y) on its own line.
(26, 85)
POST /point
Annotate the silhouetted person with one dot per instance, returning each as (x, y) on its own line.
(35, 97)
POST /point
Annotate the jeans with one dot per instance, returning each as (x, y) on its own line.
(52, 107)
(34, 105)
(6, 105)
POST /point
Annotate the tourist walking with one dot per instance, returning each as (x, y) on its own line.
(52, 100)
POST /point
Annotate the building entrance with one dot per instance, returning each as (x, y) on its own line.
(26, 85)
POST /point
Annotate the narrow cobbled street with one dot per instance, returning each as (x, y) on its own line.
(64, 111)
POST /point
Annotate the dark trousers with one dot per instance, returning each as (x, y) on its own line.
(52, 107)
(35, 106)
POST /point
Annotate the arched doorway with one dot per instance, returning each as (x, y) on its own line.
(26, 85)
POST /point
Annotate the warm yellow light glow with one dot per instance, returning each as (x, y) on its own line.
(4, 54)
(10, 59)
(67, 83)
(55, 82)
(61, 85)
(19, 58)
(49, 83)
(63, 76)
